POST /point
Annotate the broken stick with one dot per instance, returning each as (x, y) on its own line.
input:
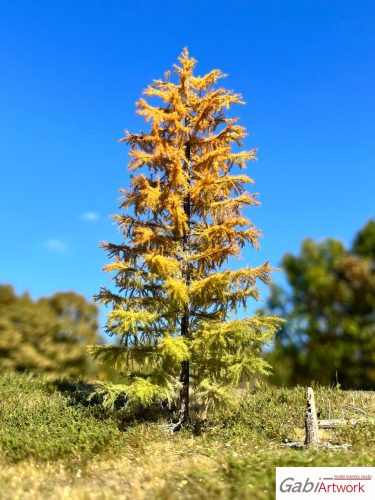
(311, 420)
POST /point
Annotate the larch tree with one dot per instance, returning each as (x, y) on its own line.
(174, 310)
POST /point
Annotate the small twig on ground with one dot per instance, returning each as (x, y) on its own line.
(356, 409)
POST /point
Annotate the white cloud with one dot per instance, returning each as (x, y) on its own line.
(90, 216)
(56, 245)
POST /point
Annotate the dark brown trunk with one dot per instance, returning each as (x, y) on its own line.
(184, 380)
(185, 320)
(184, 393)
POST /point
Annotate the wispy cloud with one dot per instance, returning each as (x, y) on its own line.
(90, 216)
(56, 245)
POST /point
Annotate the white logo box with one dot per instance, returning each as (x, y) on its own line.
(305, 483)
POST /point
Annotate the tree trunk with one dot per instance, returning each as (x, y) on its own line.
(185, 320)
(184, 393)
(184, 379)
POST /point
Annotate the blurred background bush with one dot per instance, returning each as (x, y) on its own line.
(49, 335)
(329, 305)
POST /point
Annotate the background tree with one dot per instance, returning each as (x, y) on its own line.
(330, 308)
(49, 335)
(182, 222)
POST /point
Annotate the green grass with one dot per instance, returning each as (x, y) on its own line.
(55, 445)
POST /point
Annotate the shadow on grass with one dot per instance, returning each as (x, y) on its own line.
(79, 392)
(85, 394)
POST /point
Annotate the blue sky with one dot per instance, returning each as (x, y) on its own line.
(72, 71)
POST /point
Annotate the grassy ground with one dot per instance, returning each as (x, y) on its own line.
(54, 445)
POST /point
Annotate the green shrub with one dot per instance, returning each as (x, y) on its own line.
(38, 421)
